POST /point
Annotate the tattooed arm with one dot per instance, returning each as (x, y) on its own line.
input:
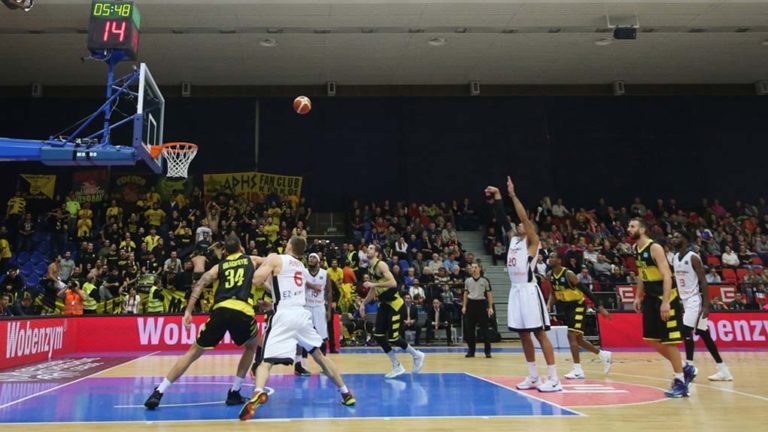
(206, 279)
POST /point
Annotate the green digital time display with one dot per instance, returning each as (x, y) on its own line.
(104, 9)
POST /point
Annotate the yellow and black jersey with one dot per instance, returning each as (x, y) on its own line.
(385, 294)
(562, 288)
(653, 281)
(234, 284)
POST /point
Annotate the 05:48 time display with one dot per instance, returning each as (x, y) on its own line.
(107, 10)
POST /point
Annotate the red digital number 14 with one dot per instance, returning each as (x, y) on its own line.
(112, 27)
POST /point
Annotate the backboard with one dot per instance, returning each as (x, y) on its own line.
(149, 120)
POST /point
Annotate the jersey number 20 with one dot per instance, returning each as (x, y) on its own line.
(235, 277)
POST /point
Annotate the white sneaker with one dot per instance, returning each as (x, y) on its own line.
(418, 361)
(575, 374)
(551, 385)
(529, 383)
(607, 358)
(722, 375)
(395, 372)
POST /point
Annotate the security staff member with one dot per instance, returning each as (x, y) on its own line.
(477, 308)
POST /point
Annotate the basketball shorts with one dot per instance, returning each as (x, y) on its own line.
(572, 315)
(318, 320)
(656, 329)
(388, 320)
(241, 327)
(526, 310)
(288, 327)
(692, 315)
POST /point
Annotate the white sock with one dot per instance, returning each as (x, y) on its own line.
(577, 367)
(552, 371)
(258, 390)
(237, 383)
(393, 358)
(297, 359)
(343, 389)
(532, 372)
(680, 376)
(164, 385)
(305, 363)
(722, 367)
(411, 350)
(687, 362)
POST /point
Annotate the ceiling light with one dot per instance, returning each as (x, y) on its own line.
(415, 30)
(509, 31)
(322, 31)
(274, 30)
(268, 42)
(438, 41)
(461, 30)
(603, 42)
(366, 30)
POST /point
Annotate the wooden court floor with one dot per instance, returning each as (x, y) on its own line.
(741, 405)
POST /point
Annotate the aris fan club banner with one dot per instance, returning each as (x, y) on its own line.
(36, 186)
(252, 185)
(90, 186)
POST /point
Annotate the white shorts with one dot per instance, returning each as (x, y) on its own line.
(692, 313)
(526, 309)
(318, 320)
(286, 328)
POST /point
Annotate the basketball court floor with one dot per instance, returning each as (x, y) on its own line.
(91, 393)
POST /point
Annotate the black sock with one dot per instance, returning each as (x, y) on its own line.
(688, 339)
(710, 344)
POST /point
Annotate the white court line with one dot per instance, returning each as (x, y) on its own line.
(763, 398)
(172, 405)
(198, 421)
(75, 381)
(526, 394)
(270, 392)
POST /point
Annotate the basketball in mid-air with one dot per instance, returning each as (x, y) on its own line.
(302, 105)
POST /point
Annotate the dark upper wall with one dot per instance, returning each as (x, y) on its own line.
(439, 148)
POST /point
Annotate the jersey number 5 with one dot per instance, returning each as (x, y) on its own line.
(235, 277)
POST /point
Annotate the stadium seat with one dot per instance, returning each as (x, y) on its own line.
(757, 261)
(729, 276)
(629, 262)
(713, 261)
(36, 258)
(33, 281)
(41, 268)
(758, 270)
(22, 258)
(27, 268)
(740, 273)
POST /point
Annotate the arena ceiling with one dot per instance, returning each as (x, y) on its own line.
(220, 42)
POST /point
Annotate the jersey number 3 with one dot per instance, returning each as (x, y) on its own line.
(235, 277)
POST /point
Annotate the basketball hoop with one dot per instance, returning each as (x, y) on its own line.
(177, 155)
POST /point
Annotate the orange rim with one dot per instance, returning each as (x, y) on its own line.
(173, 147)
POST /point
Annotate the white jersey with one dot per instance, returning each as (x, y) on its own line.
(289, 285)
(685, 276)
(316, 298)
(520, 265)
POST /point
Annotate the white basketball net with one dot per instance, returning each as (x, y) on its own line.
(178, 156)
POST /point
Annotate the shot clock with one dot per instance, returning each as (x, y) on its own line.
(114, 25)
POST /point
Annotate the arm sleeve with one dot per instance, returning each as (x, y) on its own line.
(501, 215)
(590, 295)
(489, 284)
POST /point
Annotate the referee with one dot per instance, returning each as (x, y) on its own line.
(477, 308)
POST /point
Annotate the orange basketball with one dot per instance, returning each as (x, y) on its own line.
(302, 105)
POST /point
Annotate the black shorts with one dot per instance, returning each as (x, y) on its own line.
(241, 327)
(654, 328)
(388, 320)
(572, 315)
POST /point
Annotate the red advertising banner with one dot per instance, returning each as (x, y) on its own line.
(35, 340)
(725, 292)
(729, 330)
